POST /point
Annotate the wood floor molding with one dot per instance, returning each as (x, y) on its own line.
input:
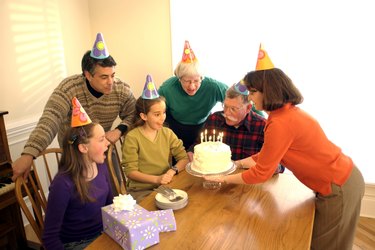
(368, 202)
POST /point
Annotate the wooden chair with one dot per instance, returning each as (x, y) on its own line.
(49, 158)
(33, 190)
(118, 182)
(35, 215)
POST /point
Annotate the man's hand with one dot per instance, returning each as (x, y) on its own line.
(22, 166)
(191, 156)
(113, 136)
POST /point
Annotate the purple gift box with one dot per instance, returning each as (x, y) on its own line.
(135, 229)
(166, 220)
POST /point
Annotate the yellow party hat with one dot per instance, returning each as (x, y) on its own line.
(264, 61)
(79, 115)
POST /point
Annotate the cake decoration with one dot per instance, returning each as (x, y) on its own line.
(212, 155)
(79, 115)
(149, 90)
(188, 55)
(99, 50)
(264, 61)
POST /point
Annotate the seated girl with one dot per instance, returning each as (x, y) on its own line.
(148, 146)
(80, 188)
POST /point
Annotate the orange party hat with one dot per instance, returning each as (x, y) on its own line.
(79, 115)
(188, 55)
(264, 61)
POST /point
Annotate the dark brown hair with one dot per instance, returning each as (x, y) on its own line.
(73, 162)
(277, 88)
(89, 63)
(144, 106)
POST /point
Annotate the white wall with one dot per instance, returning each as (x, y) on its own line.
(326, 47)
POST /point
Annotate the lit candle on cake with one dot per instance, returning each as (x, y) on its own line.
(214, 135)
(201, 137)
(210, 138)
(205, 135)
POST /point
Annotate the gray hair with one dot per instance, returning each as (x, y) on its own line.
(188, 69)
(233, 93)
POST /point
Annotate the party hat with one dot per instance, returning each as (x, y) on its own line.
(241, 88)
(79, 115)
(149, 91)
(264, 62)
(99, 50)
(188, 55)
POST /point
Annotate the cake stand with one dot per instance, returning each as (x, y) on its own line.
(210, 184)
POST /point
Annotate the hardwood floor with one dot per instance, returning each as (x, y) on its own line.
(365, 235)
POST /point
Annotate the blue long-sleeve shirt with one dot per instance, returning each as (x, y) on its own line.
(67, 219)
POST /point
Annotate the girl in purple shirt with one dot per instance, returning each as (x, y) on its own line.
(79, 190)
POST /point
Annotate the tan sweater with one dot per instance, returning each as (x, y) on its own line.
(57, 113)
(150, 157)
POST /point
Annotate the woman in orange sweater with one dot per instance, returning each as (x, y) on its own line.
(296, 140)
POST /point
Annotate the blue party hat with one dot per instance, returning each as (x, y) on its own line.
(241, 88)
(149, 91)
(99, 50)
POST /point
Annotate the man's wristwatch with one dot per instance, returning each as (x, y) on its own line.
(175, 169)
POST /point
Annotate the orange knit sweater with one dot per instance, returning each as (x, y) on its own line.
(295, 139)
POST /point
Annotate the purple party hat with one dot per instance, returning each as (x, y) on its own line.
(149, 91)
(241, 88)
(99, 50)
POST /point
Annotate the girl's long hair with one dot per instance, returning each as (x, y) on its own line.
(74, 163)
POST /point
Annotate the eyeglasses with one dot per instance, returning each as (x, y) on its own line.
(232, 109)
(188, 82)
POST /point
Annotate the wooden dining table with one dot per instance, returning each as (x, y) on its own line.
(277, 214)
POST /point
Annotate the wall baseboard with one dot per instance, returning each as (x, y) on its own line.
(368, 202)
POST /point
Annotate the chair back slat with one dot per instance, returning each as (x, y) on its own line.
(31, 190)
(119, 182)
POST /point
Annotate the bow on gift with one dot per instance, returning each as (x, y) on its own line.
(123, 202)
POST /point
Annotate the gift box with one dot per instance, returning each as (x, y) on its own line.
(166, 220)
(134, 229)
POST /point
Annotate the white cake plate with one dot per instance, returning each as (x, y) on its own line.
(210, 184)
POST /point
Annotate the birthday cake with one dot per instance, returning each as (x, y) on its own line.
(211, 157)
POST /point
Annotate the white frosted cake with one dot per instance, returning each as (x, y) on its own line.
(211, 157)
